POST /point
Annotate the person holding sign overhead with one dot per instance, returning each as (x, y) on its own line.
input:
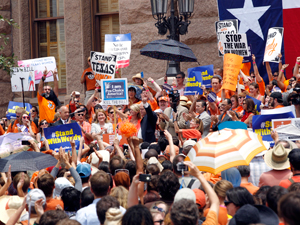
(89, 81)
(47, 98)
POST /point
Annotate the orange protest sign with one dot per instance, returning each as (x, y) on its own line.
(231, 66)
(109, 138)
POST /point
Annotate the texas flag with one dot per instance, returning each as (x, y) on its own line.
(256, 17)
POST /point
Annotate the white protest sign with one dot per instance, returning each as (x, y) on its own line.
(226, 27)
(114, 91)
(234, 44)
(287, 129)
(38, 66)
(22, 72)
(119, 45)
(103, 65)
(273, 44)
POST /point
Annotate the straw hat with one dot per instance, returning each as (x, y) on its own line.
(139, 76)
(277, 158)
(9, 205)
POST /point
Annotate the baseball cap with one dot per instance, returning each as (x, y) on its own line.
(277, 95)
(84, 170)
(164, 98)
(185, 193)
(189, 142)
(200, 198)
(34, 195)
(60, 184)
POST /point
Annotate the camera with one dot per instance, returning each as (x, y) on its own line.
(145, 177)
(174, 97)
(181, 167)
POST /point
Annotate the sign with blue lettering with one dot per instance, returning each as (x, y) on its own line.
(114, 92)
(59, 136)
(262, 124)
(12, 106)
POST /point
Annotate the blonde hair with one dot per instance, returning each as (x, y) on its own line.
(96, 115)
(221, 187)
(120, 193)
(200, 127)
(136, 108)
(56, 116)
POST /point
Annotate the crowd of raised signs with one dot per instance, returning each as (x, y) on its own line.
(144, 179)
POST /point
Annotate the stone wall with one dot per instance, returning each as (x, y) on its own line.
(136, 18)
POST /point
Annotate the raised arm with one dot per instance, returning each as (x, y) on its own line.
(269, 71)
(41, 84)
(192, 109)
(280, 76)
(296, 68)
(55, 82)
(256, 73)
(156, 86)
(171, 145)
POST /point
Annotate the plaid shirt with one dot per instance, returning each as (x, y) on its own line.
(257, 167)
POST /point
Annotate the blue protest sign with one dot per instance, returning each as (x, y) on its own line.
(194, 82)
(212, 97)
(12, 106)
(256, 102)
(262, 124)
(59, 136)
(114, 91)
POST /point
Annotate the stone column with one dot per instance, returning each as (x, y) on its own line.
(78, 31)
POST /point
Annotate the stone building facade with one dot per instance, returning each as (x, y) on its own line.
(79, 25)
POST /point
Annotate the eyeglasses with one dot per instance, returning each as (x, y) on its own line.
(26, 117)
(80, 114)
(122, 170)
(226, 202)
(45, 123)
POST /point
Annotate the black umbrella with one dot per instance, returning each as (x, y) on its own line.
(24, 161)
(168, 49)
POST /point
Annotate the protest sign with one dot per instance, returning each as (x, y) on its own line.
(194, 82)
(103, 65)
(25, 73)
(285, 109)
(119, 45)
(234, 44)
(262, 124)
(248, 59)
(287, 129)
(38, 66)
(109, 138)
(225, 27)
(256, 102)
(12, 106)
(114, 92)
(212, 97)
(273, 44)
(231, 66)
(59, 136)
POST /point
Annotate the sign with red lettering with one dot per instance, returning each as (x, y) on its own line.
(273, 44)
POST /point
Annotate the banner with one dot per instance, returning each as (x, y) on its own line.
(287, 129)
(225, 27)
(59, 136)
(273, 44)
(103, 65)
(38, 66)
(262, 124)
(119, 45)
(114, 92)
(25, 73)
(257, 104)
(285, 109)
(12, 106)
(234, 44)
(231, 66)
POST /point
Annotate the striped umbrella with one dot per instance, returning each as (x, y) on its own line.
(224, 149)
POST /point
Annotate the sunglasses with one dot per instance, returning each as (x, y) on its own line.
(4, 119)
(44, 123)
(275, 75)
(252, 77)
(76, 101)
(18, 116)
(159, 221)
(47, 89)
(80, 114)
(226, 202)
(159, 209)
(111, 112)
(241, 97)
(94, 100)
(26, 117)
(178, 77)
(33, 111)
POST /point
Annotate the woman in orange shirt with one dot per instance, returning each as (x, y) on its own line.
(235, 104)
(25, 125)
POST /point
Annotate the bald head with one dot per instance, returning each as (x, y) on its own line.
(64, 112)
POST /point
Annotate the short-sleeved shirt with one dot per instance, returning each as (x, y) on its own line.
(211, 218)
(250, 187)
(46, 108)
(52, 204)
(286, 183)
(191, 133)
(90, 80)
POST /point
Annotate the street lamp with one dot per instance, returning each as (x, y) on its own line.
(177, 25)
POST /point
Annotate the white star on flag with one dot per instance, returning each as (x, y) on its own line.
(249, 16)
(118, 38)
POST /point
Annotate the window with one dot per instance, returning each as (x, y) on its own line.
(106, 15)
(48, 35)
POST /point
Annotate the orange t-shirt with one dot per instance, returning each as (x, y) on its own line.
(250, 187)
(191, 133)
(262, 87)
(279, 106)
(238, 109)
(222, 217)
(52, 203)
(90, 80)
(286, 183)
(47, 108)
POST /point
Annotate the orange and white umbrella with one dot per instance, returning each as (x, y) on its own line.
(224, 149)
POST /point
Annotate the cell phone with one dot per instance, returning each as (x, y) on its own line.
(182, 167)
(194, 139)
(125, 147)
(25, 142)
(145, 177)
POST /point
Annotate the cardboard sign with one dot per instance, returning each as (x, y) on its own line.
(232, 64)
(119, 45)
(22, 72)
(273, 44)
(114, 92)
(59, 136)
(103, 65)
(109, 138)
(287, 129)
(12, 107)
(256, 102)
(225, 27)
(262, 124)
(234, 44)
(38, 66)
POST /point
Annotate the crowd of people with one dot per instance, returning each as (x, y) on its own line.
(147, 181)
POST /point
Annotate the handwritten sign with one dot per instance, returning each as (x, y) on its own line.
(114, 92)
(22, 72)
(225, 27)
(273, 44)
(234, 44)
(119, 45)
(103, 65)
(232, 64)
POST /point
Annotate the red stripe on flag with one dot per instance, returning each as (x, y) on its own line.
(291, 24)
